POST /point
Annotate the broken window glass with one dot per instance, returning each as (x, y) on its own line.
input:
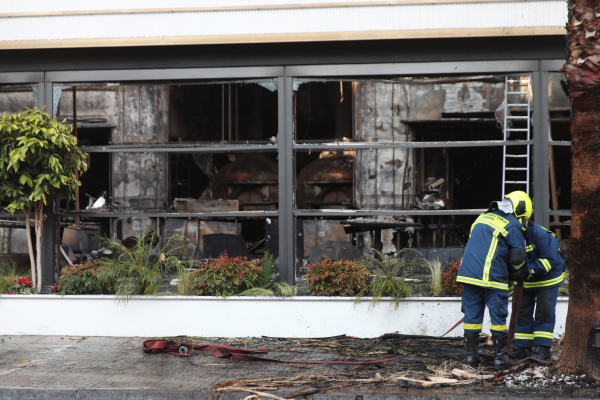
(16, 98)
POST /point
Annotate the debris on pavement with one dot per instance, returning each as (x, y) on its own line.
(459, 373)
(544, 377)
(437, 370)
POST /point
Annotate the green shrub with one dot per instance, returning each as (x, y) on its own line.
(284, 289)
(449, 284)
(83, 279)
(335, 278)
(391, 275)
(139, 270)
(266, 275)
(226, 276)
(256, 291)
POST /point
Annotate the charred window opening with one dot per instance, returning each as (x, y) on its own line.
(475, 177)
(233, 112)
(248, 179)
(381, 162)
(225, 113)
(96, 179)
(200, 195)
(187, 179)
(396, 147)
(562, 161)
(209, 238)
(323, 111)
(559, 109)
(325, 180)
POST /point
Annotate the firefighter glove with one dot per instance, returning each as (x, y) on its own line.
(520, 275)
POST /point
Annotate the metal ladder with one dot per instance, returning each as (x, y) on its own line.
(510, 160)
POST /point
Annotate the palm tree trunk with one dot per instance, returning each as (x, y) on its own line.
(583, 85)
(584, 248)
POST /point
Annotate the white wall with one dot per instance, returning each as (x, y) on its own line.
(37, 6)
(231, 317)
(55, 24)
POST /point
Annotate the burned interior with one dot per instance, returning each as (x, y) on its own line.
(377, 163)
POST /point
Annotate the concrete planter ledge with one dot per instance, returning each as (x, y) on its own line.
(305, 316)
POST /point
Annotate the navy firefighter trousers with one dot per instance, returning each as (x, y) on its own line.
(475, 299)
(536, 330)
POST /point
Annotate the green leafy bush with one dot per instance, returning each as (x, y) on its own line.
(227, 276)
(335, 278)
(449, 284)
(83, 279)
(39, 161)
(392, 276)
(139, 270)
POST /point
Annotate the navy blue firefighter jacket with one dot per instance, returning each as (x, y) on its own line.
(488, 258)
(544, 257)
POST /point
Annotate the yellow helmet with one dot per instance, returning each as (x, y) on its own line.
(522, 206)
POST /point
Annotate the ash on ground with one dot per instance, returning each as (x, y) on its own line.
(545, 377)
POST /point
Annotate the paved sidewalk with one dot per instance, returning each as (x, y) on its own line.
(78, 368)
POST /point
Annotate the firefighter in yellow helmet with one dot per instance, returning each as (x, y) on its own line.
(535, 331)
(522, 207)
(495, 254)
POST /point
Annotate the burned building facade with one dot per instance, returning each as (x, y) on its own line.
(306, 150)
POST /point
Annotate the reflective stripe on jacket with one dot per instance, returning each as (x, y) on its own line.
(544, 257)
(486, 260)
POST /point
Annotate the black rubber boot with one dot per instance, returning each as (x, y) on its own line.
(519, 353)
(472, 339)
(501, 360)
(541, 352)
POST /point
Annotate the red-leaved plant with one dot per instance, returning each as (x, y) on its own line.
(449, 284)
(22, 286)
(226, 276)
(335, 278)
